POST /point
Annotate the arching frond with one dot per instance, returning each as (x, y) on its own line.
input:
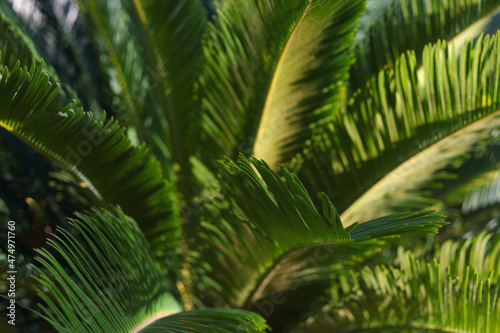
(270, 220)
(107, 281)
(154, 48)
(52, 26)
(271, 66)
(410, 25)
(403, 117)
(481, 252)
(95, 151)
(419, 298)
(16, 46)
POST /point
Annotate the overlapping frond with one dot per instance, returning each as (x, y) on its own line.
(50, 29)
(481, 252)
(16, 46)
(403, 117)
(269, 219)
(271, 67)
(481, 191)
(409, 25)
(119, 38)
(94, 150)
(105, 280)
(208, 321)
(154, 48)
(415, 299)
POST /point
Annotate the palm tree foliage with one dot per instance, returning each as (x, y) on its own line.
(206, 191)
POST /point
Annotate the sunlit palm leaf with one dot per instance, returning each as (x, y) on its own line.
(481, 252)
(271, 67)
(409, 25)
(399, 115)
(107, 281)
(16, 46)
(154, 48)
(271, 219)
(415, 299)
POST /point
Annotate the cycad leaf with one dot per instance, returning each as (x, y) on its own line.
(420, 171)
(155, 50)
(209, 321)
(481, 252)
(16, 46)
(52, 29)
(114, 284)
(479, 191)
(119, 37)
(105, 280)
(410, 25)
(14, 43)
(419, 298)
(96, 152)
(399, 115)
(271, 67)
(272, 218)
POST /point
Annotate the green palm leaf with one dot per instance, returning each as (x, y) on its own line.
(416, 298)
(269, 223)
(410, 25)
(14, 43)
(95, 151)
(107, 281)
(481, 252)
(404, 117)
(263, 87)
(16, 46)
(154, 48)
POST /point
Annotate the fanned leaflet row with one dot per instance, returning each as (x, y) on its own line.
(106, 292)
(407, 116)
(410, 25)
(262, 92)
(95, 151)
(445, 295)
(286, 220)
(138, 38)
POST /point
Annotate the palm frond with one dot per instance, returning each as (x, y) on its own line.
(266, 220)
(404, 117)
(50, 29)
(422, 171)
(118, 36)
(208, 321)
(418, 298)
(410, 25)
(16, 46)
(481, 252)
(106, 291)
(482, 191)
(94, 151)
(154, 48)
(105, 280)
(271, 68)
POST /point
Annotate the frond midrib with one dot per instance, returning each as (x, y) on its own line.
(380, 184)
(151, 320)
(273, 83)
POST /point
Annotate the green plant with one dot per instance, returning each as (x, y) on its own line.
(180, 230)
